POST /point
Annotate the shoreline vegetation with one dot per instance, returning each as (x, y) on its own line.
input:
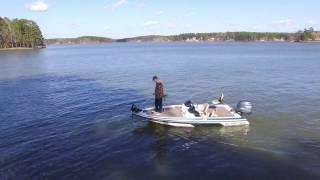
(307, 35)
(20, 34)
(79, 40)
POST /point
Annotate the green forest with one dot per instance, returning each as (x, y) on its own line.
(305, 35)
(20, 33)
(78, 40)
(300, 36)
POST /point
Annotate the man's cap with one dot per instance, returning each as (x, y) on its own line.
(154, 77)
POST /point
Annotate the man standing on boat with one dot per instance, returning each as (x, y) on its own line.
(158, 94)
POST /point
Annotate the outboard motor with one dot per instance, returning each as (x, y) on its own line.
(135, 109)
(244, 107)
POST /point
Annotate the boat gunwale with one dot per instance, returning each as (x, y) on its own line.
(184, 118)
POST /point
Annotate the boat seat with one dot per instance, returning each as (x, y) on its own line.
(185, 112)
(205, 110)
(212, 112)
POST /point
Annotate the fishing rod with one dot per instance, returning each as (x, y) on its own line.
(164, 101)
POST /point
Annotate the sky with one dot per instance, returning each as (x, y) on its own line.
(128, 18)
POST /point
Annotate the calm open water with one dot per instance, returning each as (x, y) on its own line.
(64, 111)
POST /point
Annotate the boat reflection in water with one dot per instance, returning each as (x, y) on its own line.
(186, 144)
(213, 132)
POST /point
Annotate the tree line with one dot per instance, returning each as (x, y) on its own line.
(20, 33)
(305, 35)
(79, 40)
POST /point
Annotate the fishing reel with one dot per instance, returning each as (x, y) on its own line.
(135, 109)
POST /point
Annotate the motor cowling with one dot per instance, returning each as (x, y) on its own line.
(244, 107)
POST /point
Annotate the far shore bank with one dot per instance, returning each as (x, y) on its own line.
(15, 49)
(308, 35)
(96, 43)
(138, 42)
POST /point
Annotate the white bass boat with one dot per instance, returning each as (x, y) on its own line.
(190, 115)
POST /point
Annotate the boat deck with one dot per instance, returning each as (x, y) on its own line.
(176, 112)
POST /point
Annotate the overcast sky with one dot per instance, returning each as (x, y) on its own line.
(126, 18)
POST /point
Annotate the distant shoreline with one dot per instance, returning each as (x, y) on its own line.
(95, 43)
(137, 42)
(300, 36)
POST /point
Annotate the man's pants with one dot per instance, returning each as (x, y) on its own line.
(158, 104)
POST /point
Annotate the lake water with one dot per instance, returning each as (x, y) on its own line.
(64, 111)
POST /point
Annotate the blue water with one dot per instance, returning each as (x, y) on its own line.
(64, 111)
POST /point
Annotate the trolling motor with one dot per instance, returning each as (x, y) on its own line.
(219, 100)
(135, 109)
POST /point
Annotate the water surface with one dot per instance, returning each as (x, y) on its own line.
(64, 111)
